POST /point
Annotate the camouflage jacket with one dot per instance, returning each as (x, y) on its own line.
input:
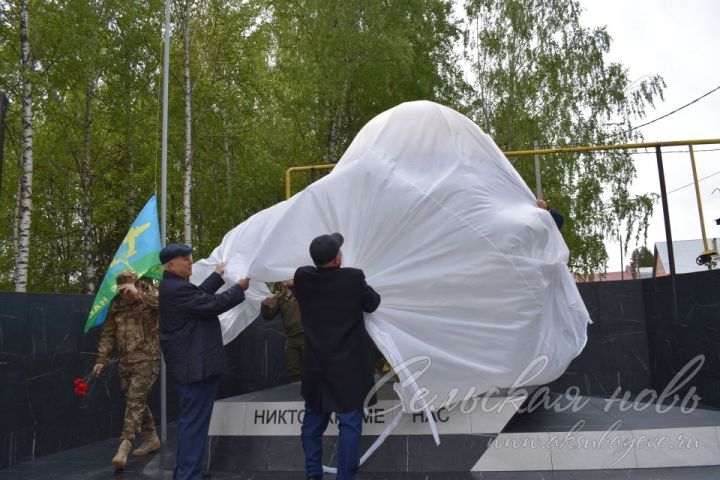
(132, 328)
(287, 306)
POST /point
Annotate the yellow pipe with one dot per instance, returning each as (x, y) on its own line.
(289, 171)
(699, 200)
(520, 153)
(624, 146)
(311, 167)
(287, 183)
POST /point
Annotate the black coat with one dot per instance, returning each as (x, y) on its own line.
(338, 370)
(558, 217)
(190, 334)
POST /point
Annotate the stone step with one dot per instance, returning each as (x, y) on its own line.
(260, 431)
(592, 433)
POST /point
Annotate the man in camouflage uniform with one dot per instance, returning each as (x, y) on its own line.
(132, 327)
(283, 302)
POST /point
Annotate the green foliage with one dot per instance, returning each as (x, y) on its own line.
(539, 75)
(282, 83)
(339, 64)
(641, 257)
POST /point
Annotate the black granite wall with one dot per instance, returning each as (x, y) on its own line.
(645, 331)
(676, 336)
(43, 349)
(638, 340)
(256, 358)
(616, 354)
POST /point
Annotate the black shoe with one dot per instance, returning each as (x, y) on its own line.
(315, 477)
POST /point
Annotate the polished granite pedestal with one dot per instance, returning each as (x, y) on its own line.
(260, 432)
(591, 433)
(92, 462)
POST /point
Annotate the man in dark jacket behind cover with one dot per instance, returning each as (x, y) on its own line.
(284, 303)
(191, 341)
(556, 215)
(338, 371)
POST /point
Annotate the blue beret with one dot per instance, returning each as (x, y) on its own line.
(174, 250)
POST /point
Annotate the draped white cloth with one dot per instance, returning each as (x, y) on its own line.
(472, 274)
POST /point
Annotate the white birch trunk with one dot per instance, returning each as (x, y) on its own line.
(187, 185)
(339, 119)
(85, 171)
(16, 211)
(226, 151)
(22, 254)
(130, 152)
(228, 178)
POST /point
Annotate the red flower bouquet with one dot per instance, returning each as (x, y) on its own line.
(81, 387)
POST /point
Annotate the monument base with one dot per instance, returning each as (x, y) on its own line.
(260, 432)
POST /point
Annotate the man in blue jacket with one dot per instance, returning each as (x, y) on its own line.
(191, 341)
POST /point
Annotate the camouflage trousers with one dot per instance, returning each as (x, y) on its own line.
(136, 381)
(294, 347)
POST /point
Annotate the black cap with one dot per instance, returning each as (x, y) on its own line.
(174, 250)
(325, 247)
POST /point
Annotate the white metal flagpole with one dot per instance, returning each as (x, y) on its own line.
(163, 204)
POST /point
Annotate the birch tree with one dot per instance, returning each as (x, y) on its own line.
(339, 64)
(260, 86)
(539, 74)
(187, 90)
(235, 120)
(74, 73)
(22, 257)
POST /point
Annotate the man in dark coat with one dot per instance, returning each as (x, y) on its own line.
(556, 215)
(338, 371)
(191, 341)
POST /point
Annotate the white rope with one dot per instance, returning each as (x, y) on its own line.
(432, 425)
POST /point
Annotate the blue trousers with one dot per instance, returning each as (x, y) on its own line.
(196, 404)
(314, 425)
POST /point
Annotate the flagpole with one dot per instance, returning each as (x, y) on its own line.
(163, 204)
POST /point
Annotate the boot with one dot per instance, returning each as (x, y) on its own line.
(151, 444)
(120, 457)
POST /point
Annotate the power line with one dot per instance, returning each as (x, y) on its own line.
(693, 183)
(677, 151)
(674, 111)
(636, 152)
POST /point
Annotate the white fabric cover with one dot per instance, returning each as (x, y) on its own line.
(471, 273)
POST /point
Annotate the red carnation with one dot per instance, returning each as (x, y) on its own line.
(81, 388)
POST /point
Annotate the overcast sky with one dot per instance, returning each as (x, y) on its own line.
(678, 40)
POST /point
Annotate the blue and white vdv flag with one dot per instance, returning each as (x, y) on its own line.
(139, 252)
